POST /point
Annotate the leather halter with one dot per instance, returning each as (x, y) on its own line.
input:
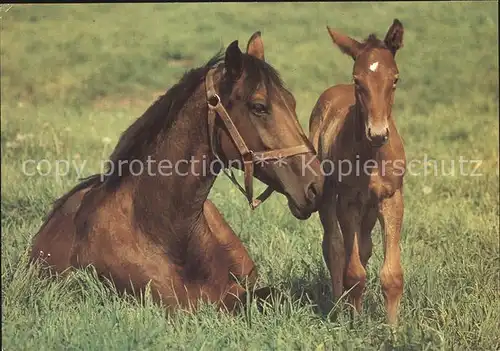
(215, 108)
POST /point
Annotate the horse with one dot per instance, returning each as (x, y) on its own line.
(157, 227)
(363, 159)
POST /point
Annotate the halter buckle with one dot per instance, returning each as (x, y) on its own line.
(213, 101)
(248, 157)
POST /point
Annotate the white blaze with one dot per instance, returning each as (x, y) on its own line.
(373, 66)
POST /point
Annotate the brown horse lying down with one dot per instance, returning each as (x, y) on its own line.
(158, 226)
(352, 126)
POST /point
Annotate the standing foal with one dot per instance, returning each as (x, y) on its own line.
(352, 126)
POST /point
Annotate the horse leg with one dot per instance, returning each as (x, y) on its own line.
(131, 266)
(391, 274)
(349, 214)
(242, 266)
(333, 242)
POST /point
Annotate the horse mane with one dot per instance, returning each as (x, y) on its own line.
(135, 142)
(137, 139)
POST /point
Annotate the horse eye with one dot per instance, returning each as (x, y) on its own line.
(396, 80)
(259, 108)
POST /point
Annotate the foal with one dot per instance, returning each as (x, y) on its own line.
(352, 126)
(136, 226)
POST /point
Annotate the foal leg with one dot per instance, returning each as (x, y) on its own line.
(391, 275)
(365, 239)
(364, 248)
(333, 242)
(349, 214)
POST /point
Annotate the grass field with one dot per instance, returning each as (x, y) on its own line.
(73, 77)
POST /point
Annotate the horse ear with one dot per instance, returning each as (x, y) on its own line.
(346, 44)
(255, 46)
(394, 37)
(233, 60)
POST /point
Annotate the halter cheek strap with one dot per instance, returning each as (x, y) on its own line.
(215, 108)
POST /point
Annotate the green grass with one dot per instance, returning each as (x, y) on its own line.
(75, 75)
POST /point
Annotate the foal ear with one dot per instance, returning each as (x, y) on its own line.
(234, 60)
(394, 37)
(346, 44)
(255, 46)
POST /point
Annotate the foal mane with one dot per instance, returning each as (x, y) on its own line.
(135, 142)
(373, 42)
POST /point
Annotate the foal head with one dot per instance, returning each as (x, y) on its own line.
(263, 111)
(375, 75)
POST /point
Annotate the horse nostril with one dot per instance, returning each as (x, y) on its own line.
(386, 136)
(312, 191)
(369, 132)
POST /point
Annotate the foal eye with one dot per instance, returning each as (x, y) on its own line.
(259, 108)
(396, 80)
